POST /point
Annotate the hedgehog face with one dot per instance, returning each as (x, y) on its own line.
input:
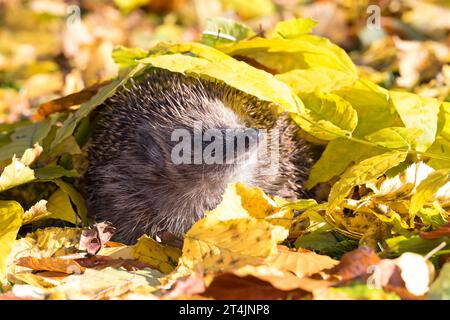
(189, 146)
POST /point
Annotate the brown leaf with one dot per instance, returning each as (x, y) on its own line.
(230, 286)
(92, 240)
(442, 231)
(188, 287)
(355, 264)
(67, 266)
(101, 262)
(64, 103)
(164, 6)
(284, 281)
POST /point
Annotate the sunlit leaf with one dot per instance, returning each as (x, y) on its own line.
(329, 116)
(316, 79)
(221, 30)
(363, 172)
(418, 113)
(293, 28)
(395, 137)
(160, 257)
(10, 221)
(428, 188)
(303, 52)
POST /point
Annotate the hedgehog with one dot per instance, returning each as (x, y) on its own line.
(145, 180)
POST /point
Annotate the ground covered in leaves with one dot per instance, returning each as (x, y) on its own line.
(373, 101)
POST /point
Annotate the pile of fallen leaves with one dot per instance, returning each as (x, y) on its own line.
(383, 232)
(232, 253)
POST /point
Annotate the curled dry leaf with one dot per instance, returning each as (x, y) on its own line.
(92, 240)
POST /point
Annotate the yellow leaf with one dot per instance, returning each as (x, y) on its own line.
(361, 173)
(243, 202)
(316, 79)
(327, 116)
(429, 188)
(122, 252)
(61, 208)
(293, 28)
(15, 174)
(303, 52)
(36, 212)
(31, 154)
(301, 263)
(212, 63)
(35, 280)
(75, 197)
(220, 245)
(50, 242)
(104, 284)
(418, 112)
(11, 214)
(161, 257)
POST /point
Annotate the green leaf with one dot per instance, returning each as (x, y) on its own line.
(25, 137)
(361, 173)
(222, 30)
(428, 188)
(52, 172)
(69, 145)
(293, 28)
(327, 116)
(418, 113)
(11, 214)
(128, 57)
(401, 244)
(303, 52)
(341, 248)
(316, 79)
(440, 289)
(395, 137)
(316, 241)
